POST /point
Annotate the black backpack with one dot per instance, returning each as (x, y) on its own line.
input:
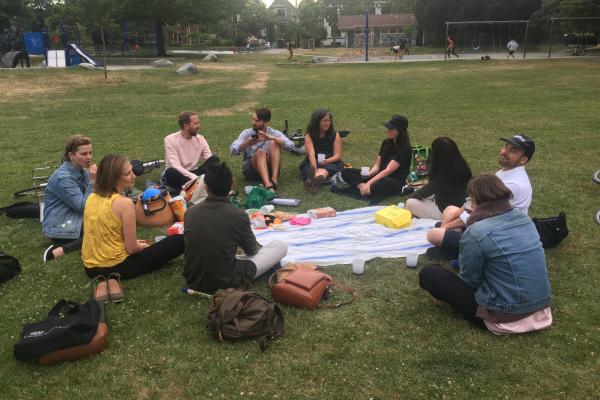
(552, 230)
(237, 314)
(9, 267)
(68, 324)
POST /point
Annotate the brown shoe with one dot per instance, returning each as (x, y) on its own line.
(317, 183)
(100, 289)
(310, 177)
(115, 290)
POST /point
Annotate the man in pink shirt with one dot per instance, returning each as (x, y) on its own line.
(183, 151)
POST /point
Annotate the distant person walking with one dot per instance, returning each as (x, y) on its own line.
(512, 46)
(450, 47)
(290, 48)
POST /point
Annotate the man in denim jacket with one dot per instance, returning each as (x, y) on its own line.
(66, 193)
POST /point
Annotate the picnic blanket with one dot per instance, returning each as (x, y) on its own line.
(350, 234)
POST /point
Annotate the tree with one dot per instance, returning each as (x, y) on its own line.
(254, 19)
(311, 16)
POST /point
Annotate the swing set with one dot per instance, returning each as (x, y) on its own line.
(486, 36)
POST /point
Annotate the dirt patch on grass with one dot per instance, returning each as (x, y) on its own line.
(259, 81)
(234, 109)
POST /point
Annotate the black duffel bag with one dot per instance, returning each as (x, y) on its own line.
(68, 324)
(9, 267)
(552, 230)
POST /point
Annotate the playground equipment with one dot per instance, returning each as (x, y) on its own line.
(38, 43)
(486, 36)
(580, 36)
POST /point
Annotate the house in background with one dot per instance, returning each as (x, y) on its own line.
(385, 30)
(285, 12)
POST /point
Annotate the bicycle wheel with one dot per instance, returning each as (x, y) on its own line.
(596, 177)
(597, 216)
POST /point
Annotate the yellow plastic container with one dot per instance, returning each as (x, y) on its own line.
(393, 217)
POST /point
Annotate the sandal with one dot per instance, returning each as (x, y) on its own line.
(115, 290)
(100, 289)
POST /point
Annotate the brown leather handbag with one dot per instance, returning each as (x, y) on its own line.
(303, 286)
(154, 212)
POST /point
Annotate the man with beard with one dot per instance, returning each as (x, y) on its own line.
(515, 154)
(183, 150)
(261, 146)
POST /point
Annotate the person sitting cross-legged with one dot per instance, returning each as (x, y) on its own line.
(214, 229)
(261, 146)
(110, 245)
(503, 282)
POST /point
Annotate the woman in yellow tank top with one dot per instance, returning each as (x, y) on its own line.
(110, 244)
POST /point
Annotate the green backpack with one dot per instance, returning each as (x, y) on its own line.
(237, 314)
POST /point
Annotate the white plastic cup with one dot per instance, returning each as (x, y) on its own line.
(364, 171)
(320, 158)
(158, 238)
(412, 259)
(267, 209)
(358, 266)
(248, 189)
(41, 211)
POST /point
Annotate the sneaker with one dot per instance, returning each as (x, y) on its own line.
(316, 184)
(115, 290)
(406, 190)
(48, 254)
(100, 289)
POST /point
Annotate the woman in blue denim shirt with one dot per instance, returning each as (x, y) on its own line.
(67, 190)
(503, 282)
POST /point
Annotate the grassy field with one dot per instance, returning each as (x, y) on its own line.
(393, 342)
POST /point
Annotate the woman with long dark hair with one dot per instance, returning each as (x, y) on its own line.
(323, 150)
(448, 178)
(111, 249)
(388, 174)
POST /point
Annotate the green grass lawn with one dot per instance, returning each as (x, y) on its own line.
(393, 342)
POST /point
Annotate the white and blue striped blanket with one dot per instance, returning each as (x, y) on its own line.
(350, 234)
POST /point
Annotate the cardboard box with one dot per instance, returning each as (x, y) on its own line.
(324, 212)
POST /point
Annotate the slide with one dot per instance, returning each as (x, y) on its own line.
(85, 56)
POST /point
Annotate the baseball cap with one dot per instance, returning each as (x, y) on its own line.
(523, 142)
(397, 122)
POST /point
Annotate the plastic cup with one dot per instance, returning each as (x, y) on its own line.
(412, 259)
(248, 189)
(320, 158)
(358, 266)
(267, 209)
(364, 171)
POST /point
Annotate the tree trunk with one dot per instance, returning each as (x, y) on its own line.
(104, 52)
(160, 38)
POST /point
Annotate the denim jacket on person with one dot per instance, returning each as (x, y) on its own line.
(66, 193)
(502, 258)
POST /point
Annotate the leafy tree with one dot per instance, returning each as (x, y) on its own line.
(311, 16)
(253, 19)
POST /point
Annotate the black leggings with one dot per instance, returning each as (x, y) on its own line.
(446, 286)
(176, 179)
(68, 245)
(148, 260)
(384, 187)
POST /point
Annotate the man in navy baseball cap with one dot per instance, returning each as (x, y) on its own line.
(523, 142)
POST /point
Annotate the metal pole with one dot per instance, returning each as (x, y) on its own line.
(126, 35)
(446, 41)
(551, 29)
(367, 35)
(526, 35)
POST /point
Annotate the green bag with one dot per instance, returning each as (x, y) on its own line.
(258, 197)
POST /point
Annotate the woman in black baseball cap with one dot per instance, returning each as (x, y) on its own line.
(388, 174)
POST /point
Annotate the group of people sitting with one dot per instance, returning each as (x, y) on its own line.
(502, 281)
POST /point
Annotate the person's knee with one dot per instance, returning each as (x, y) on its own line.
(435, 236)
(280, 247)
(427, 276)
(260, 155)
(412, 205)
(274, 147)
(450, 211)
